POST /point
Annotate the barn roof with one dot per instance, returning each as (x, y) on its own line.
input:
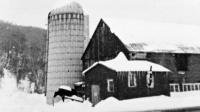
(168, 48)
(121, 63)
(165, 38)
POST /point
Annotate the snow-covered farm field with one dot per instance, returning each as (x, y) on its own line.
(13, 100)
(23, 102)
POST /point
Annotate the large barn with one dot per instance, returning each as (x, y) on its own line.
(125, 79)
(182, 60)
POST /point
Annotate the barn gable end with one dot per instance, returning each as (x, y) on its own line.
(104, 45)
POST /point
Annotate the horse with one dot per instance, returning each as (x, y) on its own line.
(65, 91)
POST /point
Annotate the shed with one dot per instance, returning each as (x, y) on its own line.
(125, 79)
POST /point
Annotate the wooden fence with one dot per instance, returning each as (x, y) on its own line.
(175, 87)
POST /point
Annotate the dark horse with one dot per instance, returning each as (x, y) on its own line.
(65, 92)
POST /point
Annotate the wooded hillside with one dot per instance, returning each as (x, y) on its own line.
(22, 50)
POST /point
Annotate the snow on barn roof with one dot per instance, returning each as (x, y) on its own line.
(148, 36)
(169, 48)
(121, 63)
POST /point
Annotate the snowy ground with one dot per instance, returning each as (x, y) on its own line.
(13, 100)
(23, 102)
(176, 101)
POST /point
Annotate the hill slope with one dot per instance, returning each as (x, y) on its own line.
(22, 50)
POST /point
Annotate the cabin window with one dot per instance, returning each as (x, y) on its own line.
(110, 85)
(60, 16)
(132, 80)
(74, 16)
(64, 16)
(56, 17)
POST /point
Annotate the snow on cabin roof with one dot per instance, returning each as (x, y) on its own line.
(121, 63)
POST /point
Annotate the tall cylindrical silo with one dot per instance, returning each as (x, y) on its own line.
(66, 45)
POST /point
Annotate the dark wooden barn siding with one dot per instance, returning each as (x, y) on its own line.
(99, 75)
(193, 73)
(124, 92)
(190, 63)
(164, 59)
(104, 45)
(167, 60)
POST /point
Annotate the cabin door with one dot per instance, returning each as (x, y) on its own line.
(95, 94)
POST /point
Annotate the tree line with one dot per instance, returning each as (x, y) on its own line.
(22, 51)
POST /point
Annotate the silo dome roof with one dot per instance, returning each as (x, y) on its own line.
(71, 7)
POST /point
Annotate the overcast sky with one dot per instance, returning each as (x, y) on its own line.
(159, 20)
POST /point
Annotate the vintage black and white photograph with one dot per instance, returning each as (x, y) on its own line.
(99, 55)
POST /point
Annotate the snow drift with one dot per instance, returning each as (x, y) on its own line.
(13, 100)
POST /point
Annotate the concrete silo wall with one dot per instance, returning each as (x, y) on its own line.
(86, 31)
(66, 45)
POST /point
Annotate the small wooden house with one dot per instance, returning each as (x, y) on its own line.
(125, 79)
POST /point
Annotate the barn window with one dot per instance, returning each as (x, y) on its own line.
(110, 85)
(181, 61)
(132, 80)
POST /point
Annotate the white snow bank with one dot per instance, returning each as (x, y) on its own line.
(24, 102)
(106, 105)
(18, 101)
(13, 100)
(72, 106)
(176, 101)
(137, 104)
(8, 82)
